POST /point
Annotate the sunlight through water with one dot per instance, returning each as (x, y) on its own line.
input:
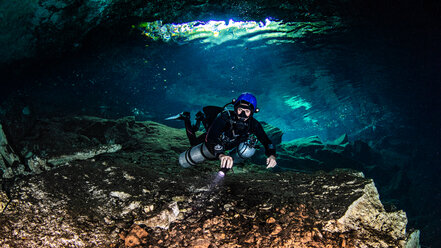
(219, 32)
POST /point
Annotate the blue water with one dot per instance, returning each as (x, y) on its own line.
(382, 86)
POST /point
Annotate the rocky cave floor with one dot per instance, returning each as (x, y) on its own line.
(91, 182)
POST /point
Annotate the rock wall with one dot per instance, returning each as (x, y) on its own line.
(34, 161)
(8, 158)
(50, 28)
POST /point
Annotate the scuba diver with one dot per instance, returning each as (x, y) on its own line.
(230, 135)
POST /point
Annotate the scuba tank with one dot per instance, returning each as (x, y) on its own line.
(195, 155)
(199, 153)
(244, 150)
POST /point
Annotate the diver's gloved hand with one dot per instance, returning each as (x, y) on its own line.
(271, 162)
(226, 161)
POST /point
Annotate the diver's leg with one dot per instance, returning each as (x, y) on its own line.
(191, 133)
(199, 118)
(195, 140)
(201, 138)
(196, 125)
(189, 129)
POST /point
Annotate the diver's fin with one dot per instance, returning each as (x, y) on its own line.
(180, 116)
(175, 117)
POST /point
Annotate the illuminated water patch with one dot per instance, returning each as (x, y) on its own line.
(219, 32)
(296, 102)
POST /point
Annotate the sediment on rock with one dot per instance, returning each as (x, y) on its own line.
(140, 195)
(8, 158)
(12, 166)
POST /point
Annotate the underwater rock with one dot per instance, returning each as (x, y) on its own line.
(64, 159)
(413, 240)
(49, 28)
(141, 196)
(135, 237)
(37, 164)
(52, 28)
(363, 152)
(299, 154)
(342, 140)
(4, 200)
(9, 161)
(163, 219)
(366, 214)
(201, 243)
(121, 195)
(311, 154)
(274, 133)
(307, 145)
(60, 141)
(339, 145)
(291, 210)
(60, 26)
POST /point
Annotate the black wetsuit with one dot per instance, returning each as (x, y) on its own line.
(227, 132)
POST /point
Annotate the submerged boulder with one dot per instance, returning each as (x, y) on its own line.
(9, 160)
(306, 145)
(368, 213)
(338, 145)
(4, 200)
(274, 133)
(139, 195)
(56, 143)
(312, 154)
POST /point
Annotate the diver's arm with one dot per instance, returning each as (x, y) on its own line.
(270, 149)
(212, 139)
